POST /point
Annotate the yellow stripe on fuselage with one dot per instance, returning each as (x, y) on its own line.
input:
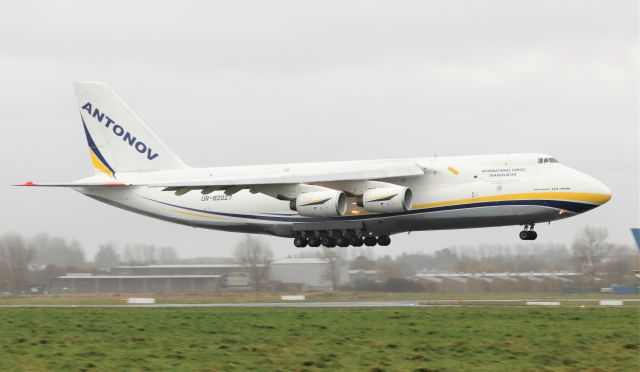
(583, 197)
(99, 165)
(192, 214)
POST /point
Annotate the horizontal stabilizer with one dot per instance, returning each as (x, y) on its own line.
(74, 184)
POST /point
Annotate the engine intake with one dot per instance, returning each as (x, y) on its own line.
(330, 203)
(387, 199)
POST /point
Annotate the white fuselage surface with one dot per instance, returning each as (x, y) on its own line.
(454, 193)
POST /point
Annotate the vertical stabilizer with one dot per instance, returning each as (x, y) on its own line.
(118, 140)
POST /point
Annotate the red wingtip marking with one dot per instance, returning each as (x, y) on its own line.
(29, 183)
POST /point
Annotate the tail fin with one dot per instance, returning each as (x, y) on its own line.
(118, 140)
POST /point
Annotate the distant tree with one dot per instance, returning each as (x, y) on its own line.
(362, 263)
(147, 253)
(139, 254)
(445, 260)
(335, 260)
(53, 250)
(367, 252)
(129, 255)
(401, 285)
(590, 251)
(167, 255)
(256, 256)
(388, 268)
(107, 256)
(15, 256)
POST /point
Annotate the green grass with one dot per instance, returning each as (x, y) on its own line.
(313, 339)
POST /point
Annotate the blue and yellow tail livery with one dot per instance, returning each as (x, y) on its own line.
(118, 140)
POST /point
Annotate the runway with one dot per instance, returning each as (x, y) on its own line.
(579, 302)
(353, 304)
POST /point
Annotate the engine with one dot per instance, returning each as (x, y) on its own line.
(330, 203)
(387, 199)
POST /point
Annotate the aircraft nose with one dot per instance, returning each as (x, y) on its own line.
(602, 193)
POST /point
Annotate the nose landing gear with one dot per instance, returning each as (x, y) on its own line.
(528, 233)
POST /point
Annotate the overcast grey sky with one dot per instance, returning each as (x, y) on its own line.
(256, 82)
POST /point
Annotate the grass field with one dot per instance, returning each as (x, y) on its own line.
(483, 338)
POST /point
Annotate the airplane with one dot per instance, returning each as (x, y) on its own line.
(346, 203)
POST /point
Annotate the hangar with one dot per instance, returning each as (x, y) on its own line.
(87, 283)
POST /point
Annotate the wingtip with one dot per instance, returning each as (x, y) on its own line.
(28, 183)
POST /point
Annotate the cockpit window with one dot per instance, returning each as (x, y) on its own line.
(547, 160)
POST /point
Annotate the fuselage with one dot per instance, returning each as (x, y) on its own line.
(455, 192)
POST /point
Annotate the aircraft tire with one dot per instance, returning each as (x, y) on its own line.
(300, 242)
(328, 242)
(314, 242)
(356, 241)
(370, 241)
(342, 242)
(384, 240)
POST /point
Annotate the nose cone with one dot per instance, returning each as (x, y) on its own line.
(601, 193)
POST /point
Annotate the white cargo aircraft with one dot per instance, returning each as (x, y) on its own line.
(338, 203)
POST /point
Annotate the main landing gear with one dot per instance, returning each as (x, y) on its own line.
(528, 233)
(331, 239)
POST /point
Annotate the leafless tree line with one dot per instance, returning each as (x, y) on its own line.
(43, 257)
(256, 255)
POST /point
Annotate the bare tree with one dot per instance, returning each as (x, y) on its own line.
(590, 251)
(107, 256)
(335, 261)
(15, 256)
(54, 250)
(167, 255)
(139, 254)
(255, 255)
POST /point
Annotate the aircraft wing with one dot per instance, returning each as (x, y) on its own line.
(359, 172)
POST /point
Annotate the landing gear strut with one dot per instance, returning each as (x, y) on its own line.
(528, 233)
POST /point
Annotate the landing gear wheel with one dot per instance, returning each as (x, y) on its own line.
(300, 242)
(384, 240)
(356, 241)
(328, 242)
(528, 233)
(370, 241)
(313, 242)
(342, 242)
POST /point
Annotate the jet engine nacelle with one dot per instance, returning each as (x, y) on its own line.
(387, 199)
(330, 203)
